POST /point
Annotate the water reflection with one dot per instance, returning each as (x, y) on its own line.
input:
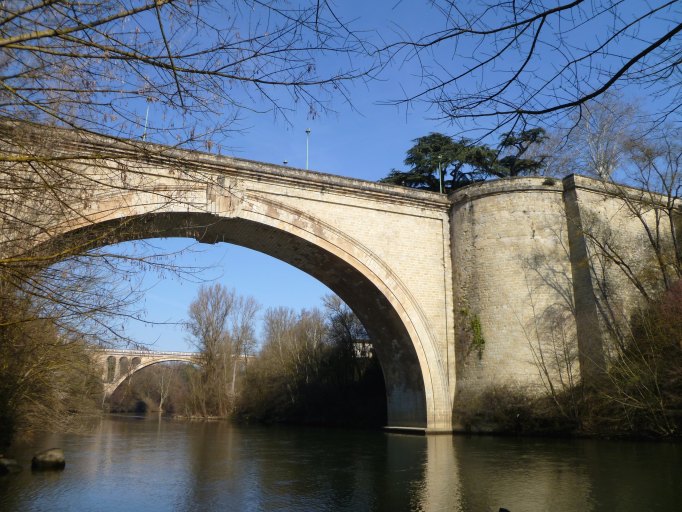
(143, 464)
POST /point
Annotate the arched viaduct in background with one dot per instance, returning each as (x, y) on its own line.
(418, 268)
(118, 364)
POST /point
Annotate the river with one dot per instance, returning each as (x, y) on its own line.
(152, 464)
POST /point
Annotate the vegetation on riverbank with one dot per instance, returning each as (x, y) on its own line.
(48, 380)
(314, 367)
(638, 395)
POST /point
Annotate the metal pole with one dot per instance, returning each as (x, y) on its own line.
(146, 118)
(307, 147)
(440, 174)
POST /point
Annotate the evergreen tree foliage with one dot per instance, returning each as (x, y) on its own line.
(441, 164)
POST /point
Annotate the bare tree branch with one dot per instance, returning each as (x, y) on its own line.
(501, 63)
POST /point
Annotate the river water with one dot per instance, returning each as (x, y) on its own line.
(152, 464)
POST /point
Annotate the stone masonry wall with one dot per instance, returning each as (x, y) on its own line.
(511, 269)
(613, 221)
(532, 289)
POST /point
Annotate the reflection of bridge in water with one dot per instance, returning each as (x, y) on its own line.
(118, 364)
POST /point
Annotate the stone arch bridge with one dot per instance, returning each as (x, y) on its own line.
(119, 364)
(449, 288)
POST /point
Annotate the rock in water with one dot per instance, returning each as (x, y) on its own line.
(49, 459)
(8, 466)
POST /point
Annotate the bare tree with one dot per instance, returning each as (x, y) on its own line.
(504, 64)
(168, 70)
(47, 374)
(164, 382)
(290, 359)
(653, 166)
(596, 140)
(242, 336)
(551, 330)
(279, 334)
(348, 336)
(295, 341)
(221, 325)
(314, 366)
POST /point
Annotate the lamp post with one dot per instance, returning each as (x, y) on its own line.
(307, 147)
(440, 173)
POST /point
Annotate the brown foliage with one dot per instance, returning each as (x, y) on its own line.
(48, 379)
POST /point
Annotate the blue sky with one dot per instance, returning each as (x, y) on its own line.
(167, 297)
(364, 139)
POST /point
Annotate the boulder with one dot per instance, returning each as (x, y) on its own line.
(8, 466)
(48, 459)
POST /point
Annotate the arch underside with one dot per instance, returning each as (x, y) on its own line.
(408, 388)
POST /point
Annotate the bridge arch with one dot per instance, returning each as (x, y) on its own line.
(291, 215)
(112, 378)
(416, 383)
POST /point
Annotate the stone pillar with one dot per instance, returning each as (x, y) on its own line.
(589, 329)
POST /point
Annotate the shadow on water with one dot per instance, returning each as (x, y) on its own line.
(154, 464)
